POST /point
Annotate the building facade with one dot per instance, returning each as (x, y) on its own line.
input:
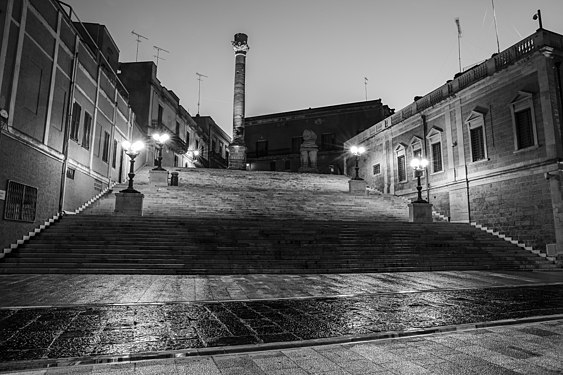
(64, 114)
(493, 138)
(158, 110)
(216, 152)
(273, 141)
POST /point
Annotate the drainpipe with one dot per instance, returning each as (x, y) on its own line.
(67, 130)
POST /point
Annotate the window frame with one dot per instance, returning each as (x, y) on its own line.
(18, 203)
(435, 137)
(474, 121)
(86, 130)
(416, 145)
(522, 102)
(400, 152)
(75, 121)
(105, 147)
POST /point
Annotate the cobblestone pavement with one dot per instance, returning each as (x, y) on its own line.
(67, 319)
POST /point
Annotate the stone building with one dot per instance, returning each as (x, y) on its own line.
(216, 152)
(65, 114)
(157, 110)
(493, 138)
(274, 140)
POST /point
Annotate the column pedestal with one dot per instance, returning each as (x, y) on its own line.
(420, 212)
(158, 178)
(129, 204)
(357, 187)
(237, 157)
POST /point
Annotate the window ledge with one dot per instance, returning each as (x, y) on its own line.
(434, 173)
(531, 148)
(481, 161)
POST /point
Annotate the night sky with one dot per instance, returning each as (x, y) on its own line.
(313, 53)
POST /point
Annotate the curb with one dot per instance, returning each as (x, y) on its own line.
(241, 349)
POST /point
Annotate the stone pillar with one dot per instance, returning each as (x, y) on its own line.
(237, 149)
(420, 212)
(128, 204)
(309, 151)
(556, 189)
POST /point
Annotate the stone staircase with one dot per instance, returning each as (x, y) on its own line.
(228, 222)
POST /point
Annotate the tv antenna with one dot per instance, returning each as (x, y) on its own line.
(458, 42)
(139, 36)
(199, 76)
(158, 49)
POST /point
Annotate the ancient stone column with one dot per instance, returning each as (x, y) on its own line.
(237, 149)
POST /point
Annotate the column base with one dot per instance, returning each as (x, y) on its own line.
(420, 212)
(237, 157)
(158, 178)
(129, 204)
(357, 187)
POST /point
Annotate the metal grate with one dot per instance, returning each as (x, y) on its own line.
(21, 202)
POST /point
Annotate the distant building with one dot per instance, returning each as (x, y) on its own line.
(273, 141)
(159, 110)
(65, 115)
(216, 153)
(493, 137)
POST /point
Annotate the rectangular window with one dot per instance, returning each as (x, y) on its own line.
(70, 172)
(188, 139)
(114, 155)
(436, 157)
(177, 128)
(261, 148)
(213, 146)
(105, 149)
(86, 131)
(376, 169)
(160, 111)
(296, 144)
(75, 124)
(524, 128)
(477, 144)
(401, 168)
(417, 153)
(21, 202)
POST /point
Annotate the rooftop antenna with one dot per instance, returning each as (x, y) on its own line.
(199, 75)
(496, 30)
(158, 49)
(139, 36)
(458, 41)
(366, 87)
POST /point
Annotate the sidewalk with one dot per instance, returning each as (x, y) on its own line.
(520, 346)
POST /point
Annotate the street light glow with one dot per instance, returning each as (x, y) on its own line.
(161, 138)
(419, 163)
(357, 150)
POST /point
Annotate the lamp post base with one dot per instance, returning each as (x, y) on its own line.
(357, 186)
(129, 204)
(420, 212)
(158, 178)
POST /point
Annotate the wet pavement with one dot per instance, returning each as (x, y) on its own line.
(44, 323)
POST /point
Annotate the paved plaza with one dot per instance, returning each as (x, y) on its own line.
(471, 322)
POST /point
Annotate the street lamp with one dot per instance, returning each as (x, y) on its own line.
(160, 139)
(357, 151)
(418, 164)
(132, 150)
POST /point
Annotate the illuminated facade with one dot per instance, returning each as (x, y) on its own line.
(274, 140)
(493, 138)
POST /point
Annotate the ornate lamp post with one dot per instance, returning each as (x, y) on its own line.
(419, 164)
(357, 151)
(132, 150)
(160, 139)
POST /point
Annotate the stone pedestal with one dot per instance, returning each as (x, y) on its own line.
(237, 157)
(357, 187)
(158, 178)
(129, 204)
(420, 212)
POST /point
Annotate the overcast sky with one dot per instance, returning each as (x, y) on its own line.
(313, 53)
